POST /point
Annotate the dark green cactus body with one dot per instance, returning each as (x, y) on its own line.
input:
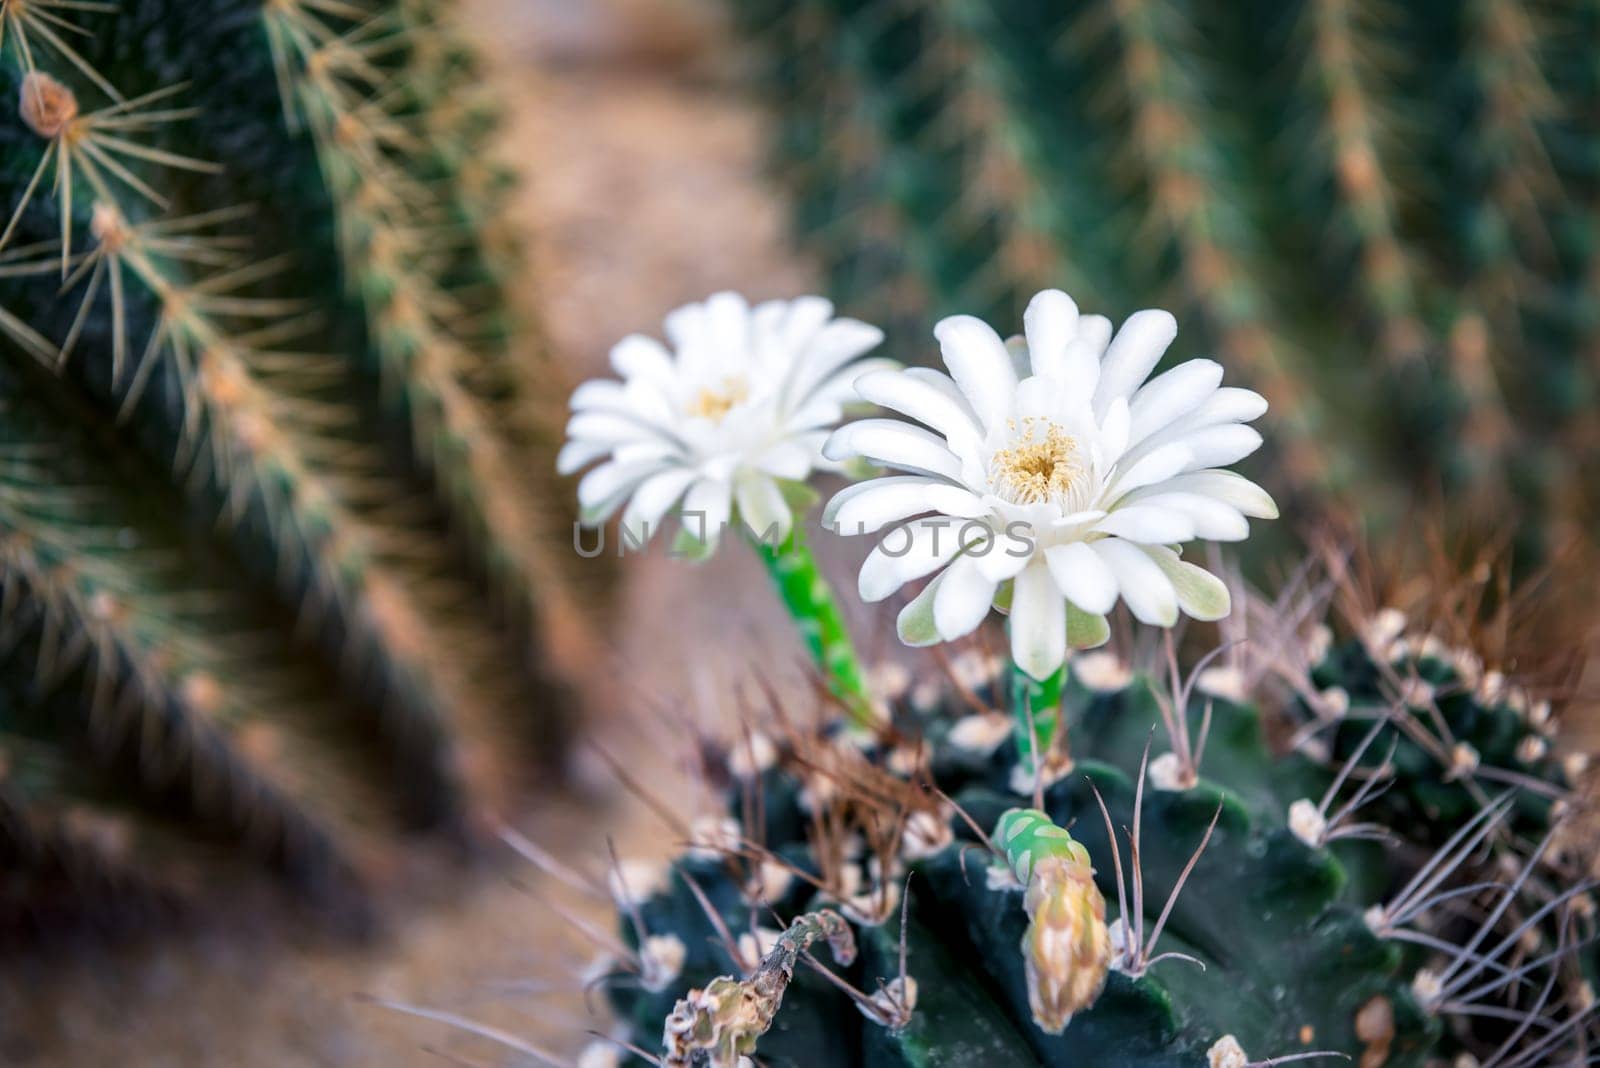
(1284, 924)
(267, 504)
(1381, 214)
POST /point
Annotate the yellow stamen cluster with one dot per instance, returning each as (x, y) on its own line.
(1041, 466)
(713, 404)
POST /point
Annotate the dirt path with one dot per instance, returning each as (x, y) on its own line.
(643, 192)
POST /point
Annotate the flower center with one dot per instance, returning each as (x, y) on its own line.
(1041, 463)
(714, 403)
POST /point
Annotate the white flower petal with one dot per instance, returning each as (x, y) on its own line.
(578, 454)
(609, 427)
(820, 412)
(1080, 363)
(1038, 622)
(1049, 322)
(1143, 585)
(1082, 577)
(915, 623)
(706, 508)
(892, 443)
(1200, 594)
(963, 599)
(980, 365)
(1158, 466)
(923, 401)
(1094, 333)
(1017, 350)
(1037, 398)
(1231, 489)
(1133, 354)
(840, 390)
(1230, 404)
(944, 384)
(685, 327)
(728, 325)
(1225, 407)
(1219, 446)
(642, 518)
(1147, 525)
(1172, 394)
(830, 511)
(767, 320)
(790, 458)
(1213, 519)
(906, 552)
(646, 449)
(1114, 426)
(835, 345)
(598, 393)
(806, 316)
(762, 508)
(1002, 555)
(882, 501)
(602, 491)
(640, 357)
(1072, 519)
(1086, 630)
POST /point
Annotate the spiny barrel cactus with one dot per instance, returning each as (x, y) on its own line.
(1356, 846)
(275, 571)
(1382, 214)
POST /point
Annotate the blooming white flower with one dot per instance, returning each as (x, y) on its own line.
(743, 401)
(1052, 494)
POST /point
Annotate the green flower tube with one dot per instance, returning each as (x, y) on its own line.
(815, 610)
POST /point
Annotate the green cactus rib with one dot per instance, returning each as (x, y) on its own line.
(1355, 141)
(880, 209)
(815, 611)
(258, 448)
(156, 673)
(1286, 173)
(397, 231)
(286, 316)
(74, 849)
(1262, 913)
(54, 869)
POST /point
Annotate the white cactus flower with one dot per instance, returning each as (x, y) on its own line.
(1050, 479)
(742, 403)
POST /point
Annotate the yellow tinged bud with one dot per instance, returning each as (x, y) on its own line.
(1067, 948)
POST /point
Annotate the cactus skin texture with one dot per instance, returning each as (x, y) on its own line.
(1382, 214)
(276, 580)
(1357, 888)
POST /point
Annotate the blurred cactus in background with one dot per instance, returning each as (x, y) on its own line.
(274, 578)
(1383, 214)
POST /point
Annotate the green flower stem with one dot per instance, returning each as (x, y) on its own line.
(816, 612)
(1043, 697)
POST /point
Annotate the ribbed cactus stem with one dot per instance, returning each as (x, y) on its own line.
(815, 610)
(1036, 704)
